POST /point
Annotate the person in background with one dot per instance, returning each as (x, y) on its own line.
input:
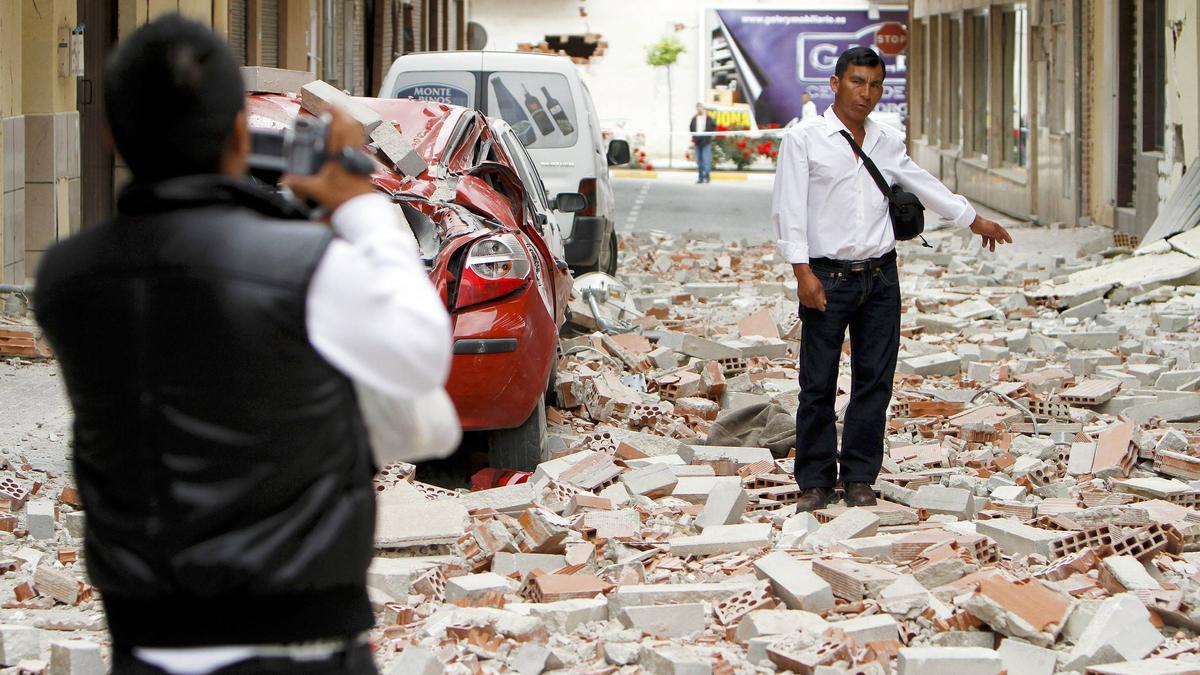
(210, 342)
(809, 111)
(701, 126)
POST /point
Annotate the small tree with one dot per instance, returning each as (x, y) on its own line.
(665, 53)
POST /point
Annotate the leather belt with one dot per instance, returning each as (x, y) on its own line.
(853, 266)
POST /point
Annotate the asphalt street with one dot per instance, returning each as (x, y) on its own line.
(675, 203)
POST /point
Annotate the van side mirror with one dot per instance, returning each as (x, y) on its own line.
(570, 202)
(618, 152)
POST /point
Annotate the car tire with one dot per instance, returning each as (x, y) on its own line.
(521, 448)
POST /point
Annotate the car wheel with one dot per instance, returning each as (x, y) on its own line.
(520, 448)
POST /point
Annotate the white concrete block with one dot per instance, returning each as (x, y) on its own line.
(1017, 538)
(777, 622)
(1021, 657)
(39, 518)
(796, 584)
(725, 506)
(722, 539)
(475, 585)
(948, 661)
(665, 620)
(75, 657)
(18, 643)
(873, 628)
(849, 525)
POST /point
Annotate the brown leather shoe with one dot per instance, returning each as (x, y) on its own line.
(858, 494)
(812, 499)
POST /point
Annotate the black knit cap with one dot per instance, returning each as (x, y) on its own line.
(172, 92)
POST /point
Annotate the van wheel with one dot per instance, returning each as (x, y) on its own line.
(607, 260)
(521, 448)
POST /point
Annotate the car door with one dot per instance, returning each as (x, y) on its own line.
(535, 188)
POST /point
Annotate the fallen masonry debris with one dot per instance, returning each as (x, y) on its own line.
(1039, 501)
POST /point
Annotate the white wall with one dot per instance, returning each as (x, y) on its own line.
(626, 90)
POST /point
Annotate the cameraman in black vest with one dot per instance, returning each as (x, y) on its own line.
(210, 343)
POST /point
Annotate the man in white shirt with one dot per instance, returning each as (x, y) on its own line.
(809, 111)
(831, 223)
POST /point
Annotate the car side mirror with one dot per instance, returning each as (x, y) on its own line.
(618, 152)
(570, 202)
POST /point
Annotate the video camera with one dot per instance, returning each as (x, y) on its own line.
(300, 150)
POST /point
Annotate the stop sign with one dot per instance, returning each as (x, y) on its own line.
(892, 38)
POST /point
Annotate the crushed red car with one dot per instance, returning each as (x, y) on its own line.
(483, 245)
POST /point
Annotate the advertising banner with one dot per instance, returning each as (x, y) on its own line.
(778, 55)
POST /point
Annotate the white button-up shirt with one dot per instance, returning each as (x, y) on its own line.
(826, 204)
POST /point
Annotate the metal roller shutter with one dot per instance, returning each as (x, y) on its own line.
(237, 30)
(358, 28)
(269, 32)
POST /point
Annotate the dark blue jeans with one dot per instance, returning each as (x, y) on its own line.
(704, 160)
(868, 303)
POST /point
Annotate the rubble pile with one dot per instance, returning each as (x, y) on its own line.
(1039, 502)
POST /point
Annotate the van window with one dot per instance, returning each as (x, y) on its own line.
(538, 106)
(456, 87)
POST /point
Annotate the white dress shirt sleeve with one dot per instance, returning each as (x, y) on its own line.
(371, 309)
(789, 208)
(932, 193)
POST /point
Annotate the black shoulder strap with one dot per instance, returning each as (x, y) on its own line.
(871, 168)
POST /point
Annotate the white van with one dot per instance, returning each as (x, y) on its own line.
(549, 108)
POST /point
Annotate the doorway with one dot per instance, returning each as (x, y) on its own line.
(95, 153)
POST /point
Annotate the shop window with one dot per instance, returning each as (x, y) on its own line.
(1014, 104)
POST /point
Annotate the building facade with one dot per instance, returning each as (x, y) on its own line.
(58, 172)
(1068, 111)
(652, 106)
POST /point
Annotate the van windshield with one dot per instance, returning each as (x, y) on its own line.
(538, 106)
(455, 87)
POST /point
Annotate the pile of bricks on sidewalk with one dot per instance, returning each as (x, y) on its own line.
(1038, 502)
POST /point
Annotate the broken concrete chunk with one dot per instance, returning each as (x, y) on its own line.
(417, 660)
(1120, 631)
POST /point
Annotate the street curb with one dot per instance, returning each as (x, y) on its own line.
(716, 175)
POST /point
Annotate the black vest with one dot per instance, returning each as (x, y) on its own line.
(222, 462)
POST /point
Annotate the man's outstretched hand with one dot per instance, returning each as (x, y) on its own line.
(991, 232)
